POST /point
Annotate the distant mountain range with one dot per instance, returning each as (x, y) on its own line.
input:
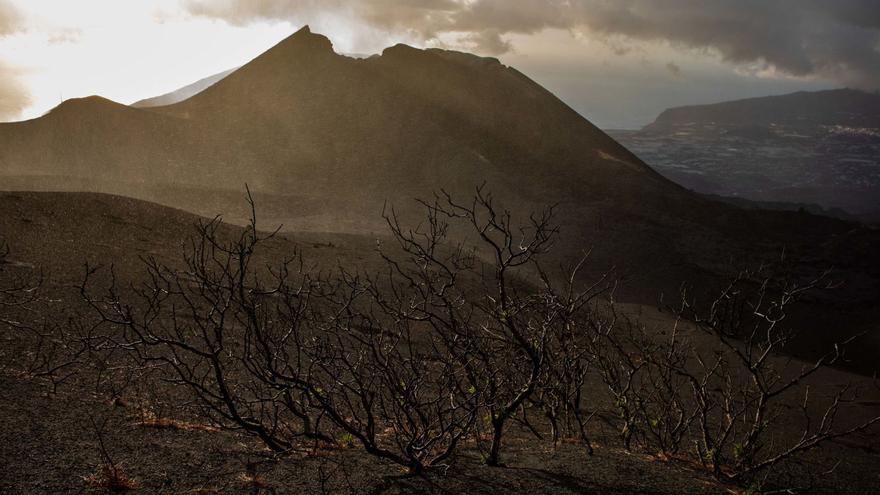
(819, 150)
(329, 139)
(184, 92)
(837, 107)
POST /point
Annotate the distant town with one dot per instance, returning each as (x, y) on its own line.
(831, 169)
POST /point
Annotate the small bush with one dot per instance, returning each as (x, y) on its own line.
(111, 479)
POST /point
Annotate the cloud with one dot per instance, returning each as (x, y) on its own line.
(14, 96)
(673, 69)
(796, 37)
(66, 35)
(10, 18)
(423, 19)
(837, 39)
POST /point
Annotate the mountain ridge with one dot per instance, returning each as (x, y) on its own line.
(828, 107)
(184, 92)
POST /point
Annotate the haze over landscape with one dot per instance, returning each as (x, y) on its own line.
(563, 247)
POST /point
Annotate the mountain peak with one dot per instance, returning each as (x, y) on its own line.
(86, 103)
(399, 48)
(306, 39)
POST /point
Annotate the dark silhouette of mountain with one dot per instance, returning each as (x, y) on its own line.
(843, 107)
(183, 93)
(197, 87)
(339, 136)
(349, 134)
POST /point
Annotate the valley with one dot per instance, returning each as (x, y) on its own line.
(825, 164)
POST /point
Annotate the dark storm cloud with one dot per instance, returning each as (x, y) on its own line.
(838, 39)
(798, 37)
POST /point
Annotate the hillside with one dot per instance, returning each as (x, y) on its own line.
(183, 93)
(59, 232)
(56, 232)
(329, 139)
(402, 123)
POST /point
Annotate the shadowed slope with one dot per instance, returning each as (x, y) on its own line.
(59, 231)
(301, 117)
(98, 139)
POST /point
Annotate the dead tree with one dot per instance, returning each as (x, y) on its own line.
(404, 367)
(726, 388)
(640, 369)
(446, 340)
(490, 306)
(200, 327)
(741, 391)
(577, 309)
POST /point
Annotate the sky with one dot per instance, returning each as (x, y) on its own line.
(617, 62)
